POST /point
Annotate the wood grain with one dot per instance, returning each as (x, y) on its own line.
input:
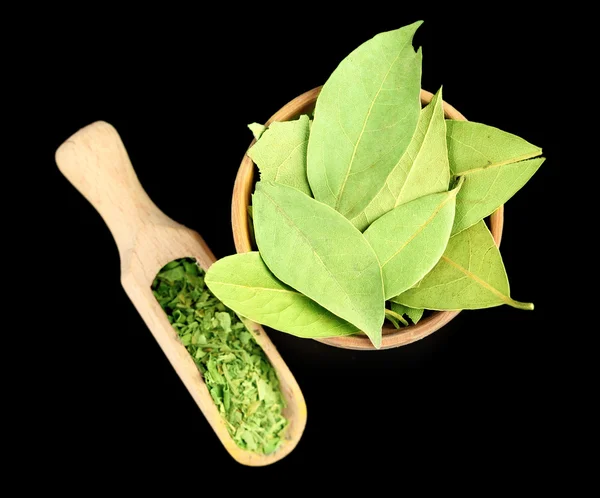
(244, 185)
(95, 161)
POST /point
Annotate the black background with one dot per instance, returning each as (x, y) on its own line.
(180, 91)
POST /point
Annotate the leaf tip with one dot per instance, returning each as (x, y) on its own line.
(459, 184)
(257, 129)
(375, 338)
(411, 29)
(437, 103)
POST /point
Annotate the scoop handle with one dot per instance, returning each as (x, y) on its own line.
(96, 162)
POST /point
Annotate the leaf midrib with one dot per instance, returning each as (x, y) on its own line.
(278, 167)
(451, 195)
(497, 164)
(411, 169)
(254, 287)
(387, 179)
(478, 280)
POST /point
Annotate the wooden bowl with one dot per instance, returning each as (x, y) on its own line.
(244, 185)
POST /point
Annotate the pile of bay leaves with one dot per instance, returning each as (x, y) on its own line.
(374, 200)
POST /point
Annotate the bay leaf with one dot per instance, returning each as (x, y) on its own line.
(410, 239)
(364, 119)
(317, 251)
(495, 165)
(415, 314)
(423, 169)
(280, 153)
(469, 275)
(244, 283)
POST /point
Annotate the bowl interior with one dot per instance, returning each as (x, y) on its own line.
(240, 222)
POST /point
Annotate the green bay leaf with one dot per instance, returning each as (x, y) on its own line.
(364, 119)
(495, 165)
(423, 169)
(469, 275)
(317, 251)
(244, 283)
(410, 239)
(280, 153)
(415, 314)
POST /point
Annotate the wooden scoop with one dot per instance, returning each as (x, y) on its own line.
(95, 161)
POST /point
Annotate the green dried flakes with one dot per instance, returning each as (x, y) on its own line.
(239, 377)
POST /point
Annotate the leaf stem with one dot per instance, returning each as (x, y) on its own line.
(397, 316)
(521, 306)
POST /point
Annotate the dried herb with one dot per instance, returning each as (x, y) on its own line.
(365, 118)
(237, 373)
(315, 250)
(280, 154)
(410, 239)
(469, 275)
(494, 164)
(376, 162)
(423, 168)
(252, 291)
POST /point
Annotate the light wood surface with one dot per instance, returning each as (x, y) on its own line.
(244, 185)
(95, 161)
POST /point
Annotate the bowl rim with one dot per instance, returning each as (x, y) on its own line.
(240, 200)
